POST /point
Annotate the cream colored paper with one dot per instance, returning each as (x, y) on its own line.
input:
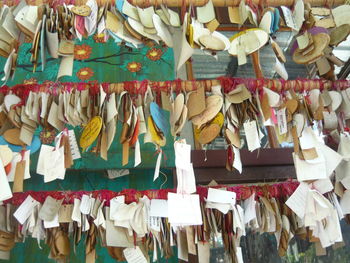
(297, 201)
(66, 66)
(134, 255)
(5, 190)
(252, 136)
(184, 209)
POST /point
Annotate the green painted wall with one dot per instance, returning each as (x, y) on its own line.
(104, 62)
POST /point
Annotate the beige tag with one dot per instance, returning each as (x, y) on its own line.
(212, 25)
(196, 102)
(125, 153)
(112, 22)
(327, 100)
(303, 40)
(325, 22)
(323, 66)
(233, 13)
(166, 104)
(267, 204)
(339, 189)
(310, 154)
(241, 55)
(190, 240)
(68, 159)
(19, 176)
(295, 139)
(103, 150)
(65, 214)
(320, 11)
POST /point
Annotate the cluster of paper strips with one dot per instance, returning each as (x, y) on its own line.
(52, 31)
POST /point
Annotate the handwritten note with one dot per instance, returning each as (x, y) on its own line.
(134, 255)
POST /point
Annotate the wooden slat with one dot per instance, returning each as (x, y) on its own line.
(263, 157)
(252, 174)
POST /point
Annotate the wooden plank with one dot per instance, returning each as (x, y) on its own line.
(263, 157)
(252, 174)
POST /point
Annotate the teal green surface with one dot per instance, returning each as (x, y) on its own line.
(107, 62)
(30, 252)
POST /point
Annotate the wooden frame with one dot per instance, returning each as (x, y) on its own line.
(264, 165)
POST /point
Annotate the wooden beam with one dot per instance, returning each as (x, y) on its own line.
(251, 174)
(221, 3)
(263, 157)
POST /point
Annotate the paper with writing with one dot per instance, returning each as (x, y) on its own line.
(24, 211)
(282, 121)
(252, 136)
(323, 185)
(134, 255)
(297, 201)
(309, 171)
(74, 148)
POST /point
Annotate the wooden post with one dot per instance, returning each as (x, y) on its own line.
(259, 74)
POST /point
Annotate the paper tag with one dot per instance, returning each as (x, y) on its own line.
(65, 214)
(203, 252)
(241, 55)
(24, 211)
(85, 205)
(184, 209)
(159, 208)
(282, 121)
(53, 223)
(156, 170)
(134, 255)
(252, 136)
(221, 196)
(50, 209)
(182, 155)
(76, 215)
(280, 69)
(19, 177)
(154, 223)
(74, 148)
(297, 201)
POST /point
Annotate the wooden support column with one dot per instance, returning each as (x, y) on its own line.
(273, 142)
